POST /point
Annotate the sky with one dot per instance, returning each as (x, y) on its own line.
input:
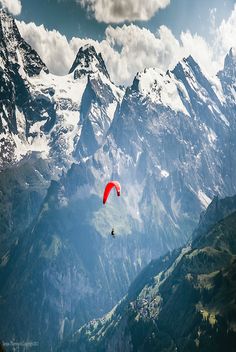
(130, 34)
(71, 18)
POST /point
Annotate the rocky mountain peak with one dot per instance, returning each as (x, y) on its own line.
(88, 61)
(227, 76)
(229, 66)
(9, 33)
(166, 142)
(14, 49)
(160, 88)
(186, 67)
(230, 59)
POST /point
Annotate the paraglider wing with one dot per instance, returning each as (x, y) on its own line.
(108, 189)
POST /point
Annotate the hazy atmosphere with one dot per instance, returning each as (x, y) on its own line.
(117, 175)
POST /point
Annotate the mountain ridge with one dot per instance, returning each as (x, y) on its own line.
(87, 60)
(170, 144)
(45, 108)
(197, 316)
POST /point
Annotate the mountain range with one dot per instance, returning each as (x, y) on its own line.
(169, 139)
(184, 301)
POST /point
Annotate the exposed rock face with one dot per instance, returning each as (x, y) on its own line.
(52, 120)
(184, 301)
(88, 61)
(228, 77)
(17, 60)
(169, 139)
(45, 113)
(15, 51)
(22, 190)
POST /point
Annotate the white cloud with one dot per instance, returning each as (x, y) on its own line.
(129, 48)
(212, 14)
(13, 6)
(226, 35)
(139, 48)
(51, 46)
(113, 11)
(201, 51)
(126, 50)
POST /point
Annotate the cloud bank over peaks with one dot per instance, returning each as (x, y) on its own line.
(52, 46)
(113, 11)
(129, 49)
(226, 33)
(13, 6)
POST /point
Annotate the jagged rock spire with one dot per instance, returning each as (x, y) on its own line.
(88, 61)
(14, 49)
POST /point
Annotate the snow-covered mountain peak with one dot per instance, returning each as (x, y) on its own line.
(52, 115)
(231, 56)
(227, 77)
(14, 50)
(6, 20)
(88, 61)
(9, 37)
(170, 164)
(161, 88)
(187, 66)
(201, 88)
(229, 65)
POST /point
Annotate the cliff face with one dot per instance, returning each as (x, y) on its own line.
(46, 123)
(168, 139)
(44, 113)
(183, 301)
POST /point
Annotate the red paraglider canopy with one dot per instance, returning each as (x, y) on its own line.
(108, 188)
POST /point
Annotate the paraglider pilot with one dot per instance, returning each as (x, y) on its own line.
(107, 190)
(113, 232)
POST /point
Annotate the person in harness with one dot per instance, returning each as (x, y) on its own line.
(113, 232)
